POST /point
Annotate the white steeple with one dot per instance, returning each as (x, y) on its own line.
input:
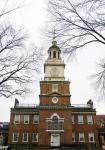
(54, 66)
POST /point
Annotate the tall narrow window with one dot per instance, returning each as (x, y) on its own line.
(15, 137)
(25, 137)
(91, 137)
(58, 55)
(55, 122)
(35, 137)
(89, 119)
(26, 119)
(81, 137)
(73, 137)
(72, 119)
(35, 119)
(80, 119)
(16, 119)
(50, 54)
(54, 54)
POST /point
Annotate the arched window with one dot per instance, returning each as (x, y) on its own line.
(58, 55)
(50, 54)
(55, 119)
(54, 54)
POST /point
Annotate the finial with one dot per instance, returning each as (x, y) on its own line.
(54, 35)
(54, 42)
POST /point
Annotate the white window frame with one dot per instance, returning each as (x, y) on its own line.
(35, 119)
(54, 87)
(33, 137)
(89, 119)
(72, 119)
(25, 134)
(73, 137)
(81, 136)
(17, 119)
(26, 119)
(80, 119)
(15, 135)
(91, 135)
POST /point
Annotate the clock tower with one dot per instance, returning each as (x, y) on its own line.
(55, 127)
(54, 66)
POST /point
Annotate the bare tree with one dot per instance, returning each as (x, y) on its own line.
(17, 65)
(79, 23)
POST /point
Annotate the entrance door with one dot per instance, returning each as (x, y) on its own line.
(55, 140)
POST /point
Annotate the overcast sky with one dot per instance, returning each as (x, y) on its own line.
(34, 19)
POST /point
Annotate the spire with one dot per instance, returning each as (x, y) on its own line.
(54, 42)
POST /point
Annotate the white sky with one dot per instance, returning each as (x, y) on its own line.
(33, 17)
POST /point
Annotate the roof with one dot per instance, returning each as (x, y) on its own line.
(83, 109)
(34, 109)
(100, 116)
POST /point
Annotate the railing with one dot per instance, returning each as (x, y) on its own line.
(81, 105)
(26, 106)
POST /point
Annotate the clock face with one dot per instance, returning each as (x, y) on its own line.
(54, 99)
(54, 71)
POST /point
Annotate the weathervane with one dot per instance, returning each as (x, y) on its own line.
(54, 41)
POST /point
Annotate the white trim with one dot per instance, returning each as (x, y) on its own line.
(23, 137)
(16, 119)
(55, 100)
(89, 119)
(17, 136)
(55, 142)
(91, 135)
(81, 135)
(57, 131)
(26, 119)
(80, 119)
(83, 112)
(73, 136)
(55, 114)
(37, 120)
(36, 137)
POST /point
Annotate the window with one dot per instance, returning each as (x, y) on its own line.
(25, 137)
(35, 137)
(72, 119)
(54, 54)
(50, 54)
(91, 137)
(36, 119)
(15, 137)
(58, 55)
(80, 119)
(26, 119)
(16, 119)
(81, 137)
(54, 87)
(73, 137)
(89, 119)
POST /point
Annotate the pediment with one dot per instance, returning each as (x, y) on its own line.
(54, 94)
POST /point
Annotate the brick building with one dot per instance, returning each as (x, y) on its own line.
(55, 122)
(100, 120)
(4, 128)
